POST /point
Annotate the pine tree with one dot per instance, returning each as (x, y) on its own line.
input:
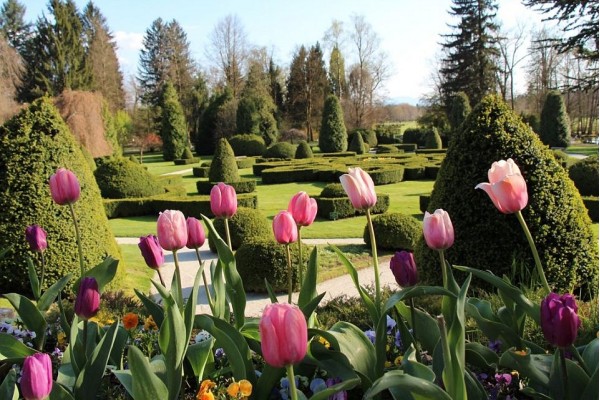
(295, 105)
(555, 129)
(276, 88)
(337, 73)
(13, 25)
(173, 130)
(469, 64)
(206, 137)
(333, 137)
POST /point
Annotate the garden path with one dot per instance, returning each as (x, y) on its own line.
(255, 302)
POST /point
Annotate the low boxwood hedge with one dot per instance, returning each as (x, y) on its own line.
(200, 172)
(414, 173)
(247, 224)
(185, 161)
(245, 162)
(341, 207)
(407, 147)
(241, 186)
(289, 174)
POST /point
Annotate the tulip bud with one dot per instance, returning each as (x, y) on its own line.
(284, 228)
(36, 237)
(438, 230)
(283, 334)
(360, 188)
(507, 188)
(87, 302)
(196, 235)
(36, 378)
(151, 251)
(64, 187)
(171, 229)
(404, 269)
(223, 200)
(559, 319)
(303, 208)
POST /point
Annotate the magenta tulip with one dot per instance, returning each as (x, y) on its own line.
(360, 188)
(507, 188)
(559, 319)
(438, 230)
(151, 251)
(36, 377)
(196, 235)
(223, 200)
(303, 209)
(64, 187)
(284, 228)
(87, 302)
(36, 237)
(283, 334)
(171, 230)
(404, 269)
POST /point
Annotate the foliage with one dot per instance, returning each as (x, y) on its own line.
(205, 138)
(120, 178)
(281, 150)
(555, 127)
(395, 231)
(223, 167)
(433, 139)
(458, 110)
(247, 145)
(388, 132)
(246, 225)
(303, 150)
(357, 144)
(556, 216)
(173, 129)
(333, 137)
(584, 174)
(187, 154)
(333, 190)
(533, 120)
(337, 72)
(417, 136)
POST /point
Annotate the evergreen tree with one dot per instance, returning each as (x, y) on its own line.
(555, 128)
(200, 100)
(457, 111)
(223, 167)
(206, 136)
(276, 89)
(173, 130)
(337, 73)
(102, 58)
(333, 137)
(295, 104)
(470, 52)
(13, 25)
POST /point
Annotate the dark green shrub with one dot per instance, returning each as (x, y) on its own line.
(368, 135)
(414, 173)
(333, 190)
(424, 202)
(289, 174)
(333, 137)
(407, 147)
(246, 162)
(264, 258)
(457, 111)
(584, 174)
(486, 238)
(247, 145)
(592, 205)
(533, 120)
(33, 145)
(357, 144)
(245, 225)
(119, 178)
(132, 158)
(433, 139)
(386, 149)
(240, 186)
(555, 128)
(187, 154)
(223, 167)
(200, 172)
(281, 150)
(173, 130)
(303, 151)
(385, 174)
(415, 136)
(388, 132)
(341, 207)
(561, 157)
(394, 231)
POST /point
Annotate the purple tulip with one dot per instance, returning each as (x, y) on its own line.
(36, 378)
(87, 302)
(64, 187)
(196, 235)
(36, 237)
(404, 269)
(559, 319)
(151, 251)
(171, 229)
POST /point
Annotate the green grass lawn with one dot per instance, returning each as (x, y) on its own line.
(138, 274)
(586, 149)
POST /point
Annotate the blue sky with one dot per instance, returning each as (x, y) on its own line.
(409, 29)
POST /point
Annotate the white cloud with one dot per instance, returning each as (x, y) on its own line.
(129, 40)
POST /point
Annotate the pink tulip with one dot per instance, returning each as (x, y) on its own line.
(303, 209)
(171, 230)
(284, 228)
(151, 251)
(36, 237)
(87, 302)
(196, 235)
(223, 200)
(64, 187)
(507, 188)
(404, 269)
(438, 230)
(283, 334)
(36, 378)
(360, 188)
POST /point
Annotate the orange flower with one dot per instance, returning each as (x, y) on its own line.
(245, 388)
(204, 392)
(233, 389)
(240, 390)
(130, 321)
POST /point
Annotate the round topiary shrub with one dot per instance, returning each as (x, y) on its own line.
(120, 178)
(394, 231)
(357, 144)
(333, 190)
(303, 150)
(247, 145)
(264, 258)
(280, 150)
(33, 145)
(584, 174)
(369, 136)
(223, 167)
(486, 238)
(246, 224)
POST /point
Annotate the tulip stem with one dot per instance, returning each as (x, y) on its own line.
(227, 234)
(85, 335)
(292, 381)
(162, 281)
(563, 365)
(301, 262)
(375, 260)
(536, 256)
(444, 272)
(288, 254)
(413, 322)
(42, 272)
(78, 239)
(178, 274)
(573, 350)
(208, 296)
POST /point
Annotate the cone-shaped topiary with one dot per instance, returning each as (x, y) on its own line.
(555, 128)
(120, 178)
(173, 130)
(223, 167)
(303, 150)
(488, 239)
(333, 137)
(433, 139)
(357, 144)
(33, 145)
(187, 154)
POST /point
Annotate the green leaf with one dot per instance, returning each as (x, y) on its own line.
(90, 377)
(308, 290)
(173, 341)
(412, 292)
(250, 329)
(411, 367)
(578, 379)
(218, 285)
(66, 375)
(7, 389)
(52, 292)
(198, 354)
(153, 309)
(481, 356)
(77, 350)
(268, 379)
(190, 306)
(60, 393)
(590, 355)
(591, 390)
(312, 305)
(31, 317)
(33, 279)
(116, 354)
(176, 293)
(428, 332)
(359, 350)
(533, 366)
(334, 362)
(406, 386)
(11, 349)
(125, 379)
(64, 322)
(271, 292)
(145, 384)
(481, 312)
(103, 273)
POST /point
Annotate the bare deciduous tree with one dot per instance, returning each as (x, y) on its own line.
(510, 43)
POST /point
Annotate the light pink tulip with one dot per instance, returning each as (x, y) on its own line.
(283, 334)
(196, 235)
(507, 188)
(438, 230)
(171, 230)
(284, 228)
(64, 187)
(223, 200)
(303, 209)
(360, 188)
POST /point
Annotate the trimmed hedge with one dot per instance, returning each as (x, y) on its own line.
(591, 203)
(394, 231)
(414, 173)
(185, 161)
(200, 172)
(341, 207)
(281, 150)
(386, 148)
(245, 225)
(223, 167)
(407, 147)
(241, 186)
(248, 145)
(247, 162)
(120, 178)
(289, 174)
(333, 190)
(424, 202)
(303, 151)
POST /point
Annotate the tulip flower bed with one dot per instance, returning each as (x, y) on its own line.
(286, 353)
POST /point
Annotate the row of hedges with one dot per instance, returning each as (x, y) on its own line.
(341, 207)
(241, 186)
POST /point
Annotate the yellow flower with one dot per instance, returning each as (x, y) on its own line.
(521, 352)
(61, 337)
(398, 360)
(324, 342)
(240, 390)
(245, 388)
(149, 324)
(204, 393)
(130, 321)
(233, 389)
(388, 364)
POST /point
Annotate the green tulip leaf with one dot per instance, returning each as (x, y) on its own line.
(591, 390)
(66, 374)
(312, 305)
(411, 367)
(270, 377)
(153, 309)
(533, 366)
(481, 312)
(116, 354)
(173, 342)
(47, 298)
(577, 379)
(190, 306)
(104, 273)
(271, 292)
(427, 328)
(404, 386)
(33, 279)
(481, 356)
(59, 393)
(144, 383)
(8, 387)
(359, 350)
(475, 389)
(31, 317)
(250, 329)
(125, 379)
(412, 292)
(590, 355)
(13, 349)
(198, 355)
(308, 289)
(218, 285)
